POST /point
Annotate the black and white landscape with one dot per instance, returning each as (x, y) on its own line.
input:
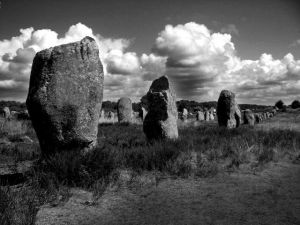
(149, 112)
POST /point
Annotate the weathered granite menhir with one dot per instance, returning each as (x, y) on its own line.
(65, 96)
(161, 119)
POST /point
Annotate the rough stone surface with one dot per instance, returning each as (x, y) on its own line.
(124, 110)
(161, 119)
(200, 116)
(65, 95)
(249, 117)
(228, 111)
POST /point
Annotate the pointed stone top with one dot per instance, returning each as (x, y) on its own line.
(87, 38)
(227, 93)
(160, 84)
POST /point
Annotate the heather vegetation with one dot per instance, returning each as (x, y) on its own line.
(200, 152)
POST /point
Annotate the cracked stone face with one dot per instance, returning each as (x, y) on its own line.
(161, 119)
(65, 95)
(228, 111)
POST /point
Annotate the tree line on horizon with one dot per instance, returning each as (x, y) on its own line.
(191, 106)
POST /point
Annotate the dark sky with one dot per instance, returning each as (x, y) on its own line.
(259, 60)
(264, 25)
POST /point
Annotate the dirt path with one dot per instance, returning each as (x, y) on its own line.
(268, 197)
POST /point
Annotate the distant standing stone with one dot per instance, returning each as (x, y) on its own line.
(102, 115)
(161, 119)
(65, 95)
(206, 115)
(184, 114)
(200, 116)
(257, 117)
(124, 109)
(228, 111)
(211, 116)
(249, 117)
(6, 113)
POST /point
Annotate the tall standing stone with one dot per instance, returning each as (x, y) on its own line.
(161, 119)
(124, 109)
(65, 95)
(228, 111)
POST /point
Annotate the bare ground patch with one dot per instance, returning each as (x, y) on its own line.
(268, 197)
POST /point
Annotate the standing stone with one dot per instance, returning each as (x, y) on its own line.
(184, 114)
(102, 115)
(206, 115)
(200, 116)
(261, 117)
(211, 116)
(124, 109)
(161, 119)
(6, 113)
(228, 111)
(257, 118)
(65, 96)
(249, 117)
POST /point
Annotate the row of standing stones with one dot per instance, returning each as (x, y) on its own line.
(65, 98)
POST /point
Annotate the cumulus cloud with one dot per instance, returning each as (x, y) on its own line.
(152, 66)
(16, 56)
(194, 56)
(200, 63)
(118, 62)
(267, 78)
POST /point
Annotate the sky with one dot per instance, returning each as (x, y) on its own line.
(204, 46)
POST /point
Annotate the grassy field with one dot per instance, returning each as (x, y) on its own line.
(203, 153)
